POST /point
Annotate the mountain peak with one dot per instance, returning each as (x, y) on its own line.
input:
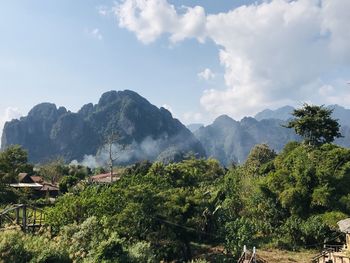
(224, 119)
(283, 113)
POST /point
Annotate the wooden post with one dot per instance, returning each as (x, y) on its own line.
(41, 219)
(17, 216)
(24, 219)
(245, 252)
(348, 241)
(34, 217)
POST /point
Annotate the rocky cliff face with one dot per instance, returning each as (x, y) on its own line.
(49, 132)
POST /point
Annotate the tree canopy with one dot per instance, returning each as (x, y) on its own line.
(315, 124)
(169, 212)
(12, 162)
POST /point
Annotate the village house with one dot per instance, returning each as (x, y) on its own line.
(40, 187)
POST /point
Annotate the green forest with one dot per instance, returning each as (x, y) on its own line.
(179, 212)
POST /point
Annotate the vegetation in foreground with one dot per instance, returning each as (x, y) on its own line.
(171, 212)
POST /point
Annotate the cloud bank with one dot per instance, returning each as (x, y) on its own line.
(274, 53)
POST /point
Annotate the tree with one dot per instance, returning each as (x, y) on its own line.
(114, 150)
(315, 124)
(13, 161)
(53, 171)
(259, 155)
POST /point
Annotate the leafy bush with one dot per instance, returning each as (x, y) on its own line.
(239, 233)
(12, 247)
(142, 252)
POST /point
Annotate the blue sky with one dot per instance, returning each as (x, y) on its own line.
(266, 54)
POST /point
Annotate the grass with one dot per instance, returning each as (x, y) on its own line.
(217, 253)
(277, 256)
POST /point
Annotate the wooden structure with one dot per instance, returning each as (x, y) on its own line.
(332, 254)
(344, 226)
(29, 218)
(336, 253)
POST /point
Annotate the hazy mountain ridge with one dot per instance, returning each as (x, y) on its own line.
(194, 126)
(231, 141)
(283, 113)
(48, 131)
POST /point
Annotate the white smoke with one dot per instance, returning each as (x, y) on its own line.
(148, 149)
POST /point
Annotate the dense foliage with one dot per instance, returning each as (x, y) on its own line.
(13, 160)
(157, 212)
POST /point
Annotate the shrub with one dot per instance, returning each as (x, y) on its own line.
(12, 247)
(142, 252)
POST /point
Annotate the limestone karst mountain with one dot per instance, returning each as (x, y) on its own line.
(151, 133)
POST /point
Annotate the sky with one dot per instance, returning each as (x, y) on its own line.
(199, 59)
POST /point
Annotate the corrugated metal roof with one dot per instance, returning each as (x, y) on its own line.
(344, 225)
(30, 185)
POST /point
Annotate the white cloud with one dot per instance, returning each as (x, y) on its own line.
(206, 74)
(149, 19)
(94, 33)
(330, 93)
(169, 108)
(273, 53)
(9, 114)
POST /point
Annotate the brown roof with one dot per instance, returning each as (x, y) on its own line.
(24, 178)
(37, 179)
(21, 176)
(49, 187)
(104, 178)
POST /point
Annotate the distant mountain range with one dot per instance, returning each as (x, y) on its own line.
(194, 126)
(231, 141)
(283, 113)
(148, 132)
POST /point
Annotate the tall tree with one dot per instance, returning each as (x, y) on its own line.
(114, 149)
(259, 155)
(315, 124)
(54, 170)
(13, 161)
